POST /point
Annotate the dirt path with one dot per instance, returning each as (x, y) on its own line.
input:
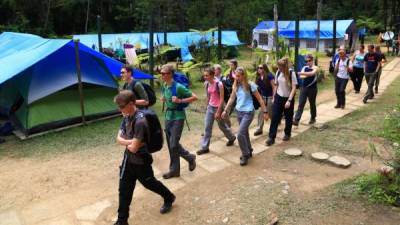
(81, 187)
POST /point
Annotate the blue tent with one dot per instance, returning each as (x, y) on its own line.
(307, 28)
(38, 82)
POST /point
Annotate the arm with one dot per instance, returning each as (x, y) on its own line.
(135, 145)
(311, 73)
(260, 100)
(184, 92)
(121, 139)
(144, 99)
(274, 87)
(221, 99)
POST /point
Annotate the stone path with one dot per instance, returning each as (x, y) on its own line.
(220, 157)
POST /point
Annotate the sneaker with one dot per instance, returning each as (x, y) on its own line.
(167, 206)
(192, 163)
(170, 175)
(258, 132)
(230, 142)
(121, 223)
(286, 138)
(270, 142)
(244, 160)
(312, 121)
(202, 151)
(295, 123)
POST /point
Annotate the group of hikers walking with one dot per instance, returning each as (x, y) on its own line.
(272, 94)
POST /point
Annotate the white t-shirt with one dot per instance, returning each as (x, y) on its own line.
(283, 88)
(342, 72)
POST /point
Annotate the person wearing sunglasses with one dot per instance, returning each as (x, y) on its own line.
(242, 91)
(135, 86)
(174, 120)
(309, 74)
(266, 85)
(136, 164)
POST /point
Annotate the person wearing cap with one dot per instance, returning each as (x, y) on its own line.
(309, 74)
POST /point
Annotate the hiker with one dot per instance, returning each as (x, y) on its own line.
(215, 98)
(286, 81)
(372, 64)
(308, 90)
(382, 58)
(243, 92)
(266, 85)
(134, 86)
(343, 66)
(174, 120)
(335, 58)
(358, 69)
(136, 164)
(218, 72)
(228, 81)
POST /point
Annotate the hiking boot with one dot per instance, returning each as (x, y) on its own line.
(202, 151)
(286, 138)
(230, 142)
(312, 121)
(167, 206)
(121, 223)
(170, 175)
(337, 106)
(192, 163)
(270, 142)
(258, 132)
(295, 123)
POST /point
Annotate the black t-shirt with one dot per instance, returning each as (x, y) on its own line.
(372, 60)
(136, 127)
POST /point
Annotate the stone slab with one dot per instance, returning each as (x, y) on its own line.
(9, 218)
(320, 156)
(93, 211)
(190, 176)
(339, 161)
(58, 221)
(293, 152)
(214, 164)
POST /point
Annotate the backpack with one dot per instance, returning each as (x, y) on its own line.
(256, 104)
(182, 79)
(155, 139)
(227, 88)
(149, 91)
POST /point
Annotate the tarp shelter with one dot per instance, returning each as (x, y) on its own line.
(38, 81)
(141, 40)
(345, 31)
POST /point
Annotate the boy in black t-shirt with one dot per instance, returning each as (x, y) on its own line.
(137, 161)
(372, 64)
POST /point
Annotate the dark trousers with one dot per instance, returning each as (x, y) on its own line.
(377, 79)
(370, 78)
(173, 132)
(340, 89)
(277, 109)
(309, 93)
(357, 77)
(129, 173)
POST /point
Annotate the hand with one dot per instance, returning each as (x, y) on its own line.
(162, 99)
(302, 76)
(266, 116)
(287, 104)
(273, 99)
(223, 114)
(217, 116)
(175, 99)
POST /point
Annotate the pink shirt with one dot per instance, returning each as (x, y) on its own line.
(213, 93)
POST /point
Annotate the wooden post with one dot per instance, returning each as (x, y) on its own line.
(276, 41)
(99, 33)
(78, 74)
(385, 7)
(296, 44)
(219, 15)
(151, 46)
(318, 31)
(334, 37)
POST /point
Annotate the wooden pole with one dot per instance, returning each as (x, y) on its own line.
(318, 31)
(334, 37)
(99, 33)
(151, 46)
(276, 41)
(78, 74)
(219, 10)
(296, 44)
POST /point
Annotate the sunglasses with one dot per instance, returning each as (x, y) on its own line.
(123, 71)
(310, 60)
(164, 73)
(260, 67)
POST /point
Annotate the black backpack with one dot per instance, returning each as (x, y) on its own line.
(256, 104)
(149, 91)
(155, 139)
(227, 88)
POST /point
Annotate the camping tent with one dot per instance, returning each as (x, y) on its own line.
(38, 81)
(345, 29)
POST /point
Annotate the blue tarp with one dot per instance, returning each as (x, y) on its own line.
(178, 39)
(307, 28)
(49, 65)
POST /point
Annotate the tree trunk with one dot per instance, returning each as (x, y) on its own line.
(87, 16)
(46, 21)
